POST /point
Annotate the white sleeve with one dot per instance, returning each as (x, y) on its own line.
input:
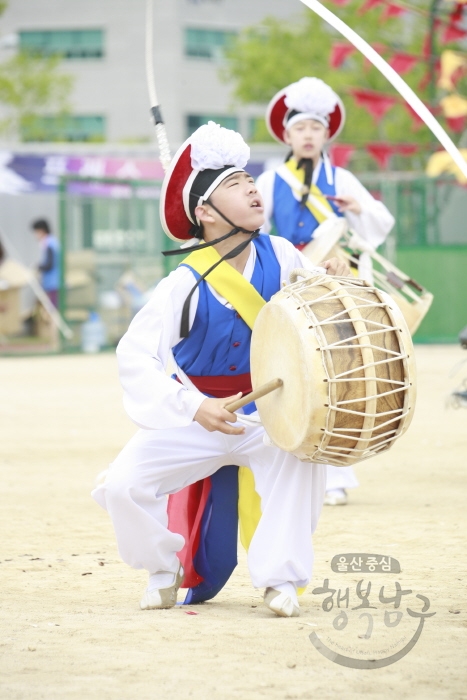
(152, 399)
(375, 220)
(290, 258)
(265, 186)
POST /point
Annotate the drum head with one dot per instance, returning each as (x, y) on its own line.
(325, 237)
(279, 349)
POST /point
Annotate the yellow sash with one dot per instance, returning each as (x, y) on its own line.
(299, 177)
(229, 283)
(232, 285)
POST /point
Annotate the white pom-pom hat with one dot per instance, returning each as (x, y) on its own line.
(309, 98)
(202, 162)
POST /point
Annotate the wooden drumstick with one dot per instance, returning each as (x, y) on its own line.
(256, 394)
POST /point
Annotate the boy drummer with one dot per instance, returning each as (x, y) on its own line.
(302, 192)
(185, 435)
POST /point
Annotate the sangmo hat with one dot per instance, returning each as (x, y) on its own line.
(309, 98)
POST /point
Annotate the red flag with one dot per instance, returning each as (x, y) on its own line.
(457, 124)
(453, 33)
(379, 48)
(381, 152)
(417, 121)
(375, 103)
(456, 14)
(406, 149)
(458, 73)
(403, 62)
(339, 52)
(426, 49)
(425, 81)
(341, 153)
(392, 10)
(369, 5)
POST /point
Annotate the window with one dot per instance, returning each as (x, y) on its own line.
(65, 128)
(193, 121)
(79, 43)
(206, 43)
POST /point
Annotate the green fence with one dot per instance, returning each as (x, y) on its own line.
(112, 241)
(429, 243)
(443, 271)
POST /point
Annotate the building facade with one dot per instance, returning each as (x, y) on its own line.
(103, 48)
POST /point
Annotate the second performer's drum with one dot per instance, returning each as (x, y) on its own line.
(345, 356)
(326, 237)
(332, 238)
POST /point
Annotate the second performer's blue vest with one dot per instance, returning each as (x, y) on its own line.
(292, 221)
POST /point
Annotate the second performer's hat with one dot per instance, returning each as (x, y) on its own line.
(309, 98)
(211, 154)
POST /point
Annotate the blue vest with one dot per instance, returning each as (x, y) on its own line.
(219, 340)
(50, 280)
(292, 221)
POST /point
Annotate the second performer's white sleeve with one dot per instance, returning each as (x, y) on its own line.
(290, 258)
(152, 399)
(375, 220)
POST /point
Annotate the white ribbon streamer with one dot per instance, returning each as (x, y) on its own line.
(161, 134)
(395, 79)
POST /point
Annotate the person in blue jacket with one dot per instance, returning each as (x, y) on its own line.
(49, 264)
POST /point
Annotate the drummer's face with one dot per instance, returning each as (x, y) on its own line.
(239, 200)
(306, 138)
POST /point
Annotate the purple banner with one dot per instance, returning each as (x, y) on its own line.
(30, 173)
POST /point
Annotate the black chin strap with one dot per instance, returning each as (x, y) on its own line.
(185, 321)
(235, 229)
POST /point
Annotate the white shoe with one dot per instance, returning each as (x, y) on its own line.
(280, 603)
(336, 497)
(162, 598)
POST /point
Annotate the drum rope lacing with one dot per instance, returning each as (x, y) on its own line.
(381, 440)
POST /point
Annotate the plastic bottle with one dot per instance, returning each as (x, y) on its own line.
(92, 333)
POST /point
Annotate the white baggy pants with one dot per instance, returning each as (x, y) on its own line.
(340, 478)
(156, 463)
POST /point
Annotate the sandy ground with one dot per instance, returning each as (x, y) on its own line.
(70, 622)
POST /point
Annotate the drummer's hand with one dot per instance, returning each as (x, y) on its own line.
(336, 267)
(345, 202)
(213, 416)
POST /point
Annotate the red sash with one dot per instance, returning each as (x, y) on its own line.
(219, 387)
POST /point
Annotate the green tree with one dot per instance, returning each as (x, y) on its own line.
(266, 57)
(31, 86)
